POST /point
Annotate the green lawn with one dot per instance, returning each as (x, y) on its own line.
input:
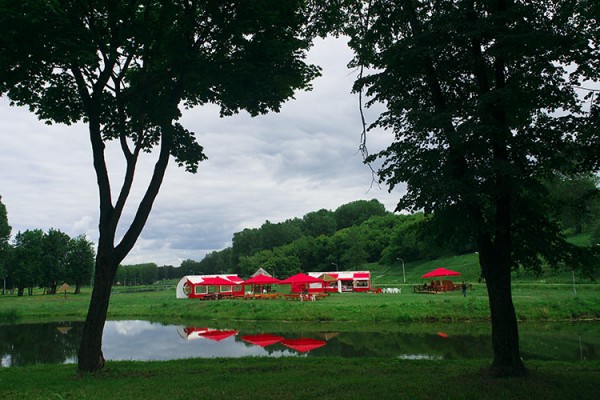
(301, 378)
(532, 301)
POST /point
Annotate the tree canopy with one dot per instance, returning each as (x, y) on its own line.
(484, 101)
(125, 69)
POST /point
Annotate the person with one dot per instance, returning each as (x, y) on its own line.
(464, 289)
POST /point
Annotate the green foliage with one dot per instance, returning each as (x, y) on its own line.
(27, 261)
(139, 274)
(5, 231)
(79, 262)
(357, 212)
(54, 261)
(470, 91)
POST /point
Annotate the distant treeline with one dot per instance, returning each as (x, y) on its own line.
(364, 232)
(355, 233)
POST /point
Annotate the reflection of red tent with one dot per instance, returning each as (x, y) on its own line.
(439, 272)
(218, 335)
(303, 344)
(299, 280)
(263, 339)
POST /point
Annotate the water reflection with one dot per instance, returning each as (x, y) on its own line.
(55, 343)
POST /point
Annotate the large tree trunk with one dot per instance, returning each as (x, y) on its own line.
(495, 260)
(90, 349)
(505, 332)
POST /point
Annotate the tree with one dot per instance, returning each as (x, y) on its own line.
(483, 110)
(26, 263)
(319, 223)
(124, 68)
(55, 248)
(79, 262)
(191, 267)
(576, 200)
(5, 230)
(357, 212)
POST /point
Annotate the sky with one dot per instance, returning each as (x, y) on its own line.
(273, 167)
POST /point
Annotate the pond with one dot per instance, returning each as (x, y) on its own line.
(57, 343)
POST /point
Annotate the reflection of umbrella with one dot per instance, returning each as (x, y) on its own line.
(218, 335)
(64, 329)
(328, 335)
(263, 339)
(303, 344)
(440, 272)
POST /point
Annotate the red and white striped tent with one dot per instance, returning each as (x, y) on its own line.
(200, 286)
(346, 281)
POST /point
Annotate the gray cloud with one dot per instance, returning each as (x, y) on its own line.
(275, 167)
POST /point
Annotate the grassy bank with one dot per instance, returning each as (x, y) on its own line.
(301, 378)
(533, 302)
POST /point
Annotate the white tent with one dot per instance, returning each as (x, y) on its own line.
(261, 271)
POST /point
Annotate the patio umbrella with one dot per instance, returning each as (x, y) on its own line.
(218, 335)
(303, 345)
(439, 272)
(302, 279)
(263, 339)
(262, 280)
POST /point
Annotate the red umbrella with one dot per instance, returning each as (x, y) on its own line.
(218, 335)
(440, 272)
(303, 344)
(302, 278)
(263, 339)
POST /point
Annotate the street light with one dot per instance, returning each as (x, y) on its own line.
(336, 266)
(403, 273)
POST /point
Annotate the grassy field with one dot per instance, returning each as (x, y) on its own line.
(533, 302)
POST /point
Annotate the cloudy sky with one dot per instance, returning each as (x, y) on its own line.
(272, 167)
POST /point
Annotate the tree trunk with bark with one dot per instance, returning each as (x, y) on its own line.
(495, 260)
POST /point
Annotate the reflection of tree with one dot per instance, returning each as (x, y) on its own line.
(28, 344)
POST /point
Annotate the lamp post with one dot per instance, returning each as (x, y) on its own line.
(403, 272)
(336, 266)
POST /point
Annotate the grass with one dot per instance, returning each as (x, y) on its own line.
(301, 378)
(533, 302)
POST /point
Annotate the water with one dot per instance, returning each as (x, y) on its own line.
(57, 343)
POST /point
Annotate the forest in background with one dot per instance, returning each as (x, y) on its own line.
(363, 232)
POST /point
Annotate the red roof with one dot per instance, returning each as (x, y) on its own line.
(362, 275)
(302, 278)
(262, 280)
(440, 272)
(216, 281)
